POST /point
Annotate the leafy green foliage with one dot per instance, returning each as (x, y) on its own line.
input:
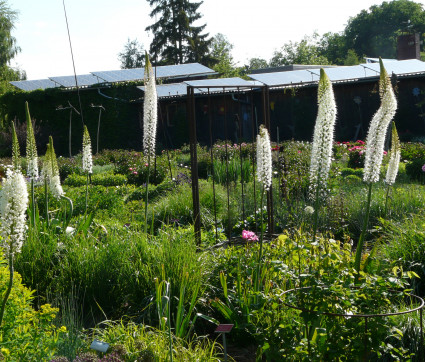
(323, 272)
(221, 51)
(374, 31)
(27, 334)
(304, 52)
(132, 56)
(414, 169)
(176, 38)
(104, 179)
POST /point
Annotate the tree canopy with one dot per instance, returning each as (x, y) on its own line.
(221, 52)
(8, 47)
(133, 55)
(304, 52)
(374, 32)
(176, 40)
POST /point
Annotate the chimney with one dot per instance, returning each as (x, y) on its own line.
(408, 46)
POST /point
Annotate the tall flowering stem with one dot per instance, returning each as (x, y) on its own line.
(264, 175)
(50, 176)
(375, 142)
(16, 154)
(321, 153)
(46, 176)
(13, 205)
(150, 119)
(32, 160)
(393, 164)
(87, 160)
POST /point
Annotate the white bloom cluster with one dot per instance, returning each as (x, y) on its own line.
(264, 158)
(375, 139)
(87, 155)
(321, 152)
(150, 111)
(394, 162)
(32, 158)
(50, 171)
(13, 206)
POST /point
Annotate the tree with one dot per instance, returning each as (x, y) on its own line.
(133, 55)
(8, 74)
(256, 63)
(221, 51)
(306, 51)
(8, 47)
(175, 39)
(333, 46)
(351, 58)
(374, 32)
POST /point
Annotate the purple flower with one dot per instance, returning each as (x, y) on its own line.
(423, 168)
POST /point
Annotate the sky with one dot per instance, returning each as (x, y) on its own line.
(99, 29)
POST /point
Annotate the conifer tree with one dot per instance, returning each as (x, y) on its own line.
(175, 39)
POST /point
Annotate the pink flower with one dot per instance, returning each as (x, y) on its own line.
(385, 152)
(130, 169)
(249, 235)
(423, 168)
(134, 172)
(146, 165)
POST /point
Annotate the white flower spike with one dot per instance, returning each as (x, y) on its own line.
(264, 158)
(87, 154)
(150, 110)
(321, 152)
(395, 154)
(32, 158)
(13, 207)
(375, 139)
(50, 171)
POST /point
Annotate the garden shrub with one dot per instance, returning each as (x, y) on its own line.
(68, 166)
(405, 244)
(204, 165)
(155, 192)
(27, 334)
(293, 170)
(352, 171)
(103, 179)
(356, 156)
(177, 207)
(100, 198)
(136, 170)
(412, 151)
(281, 333)
(415, 171)
(137, 342)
